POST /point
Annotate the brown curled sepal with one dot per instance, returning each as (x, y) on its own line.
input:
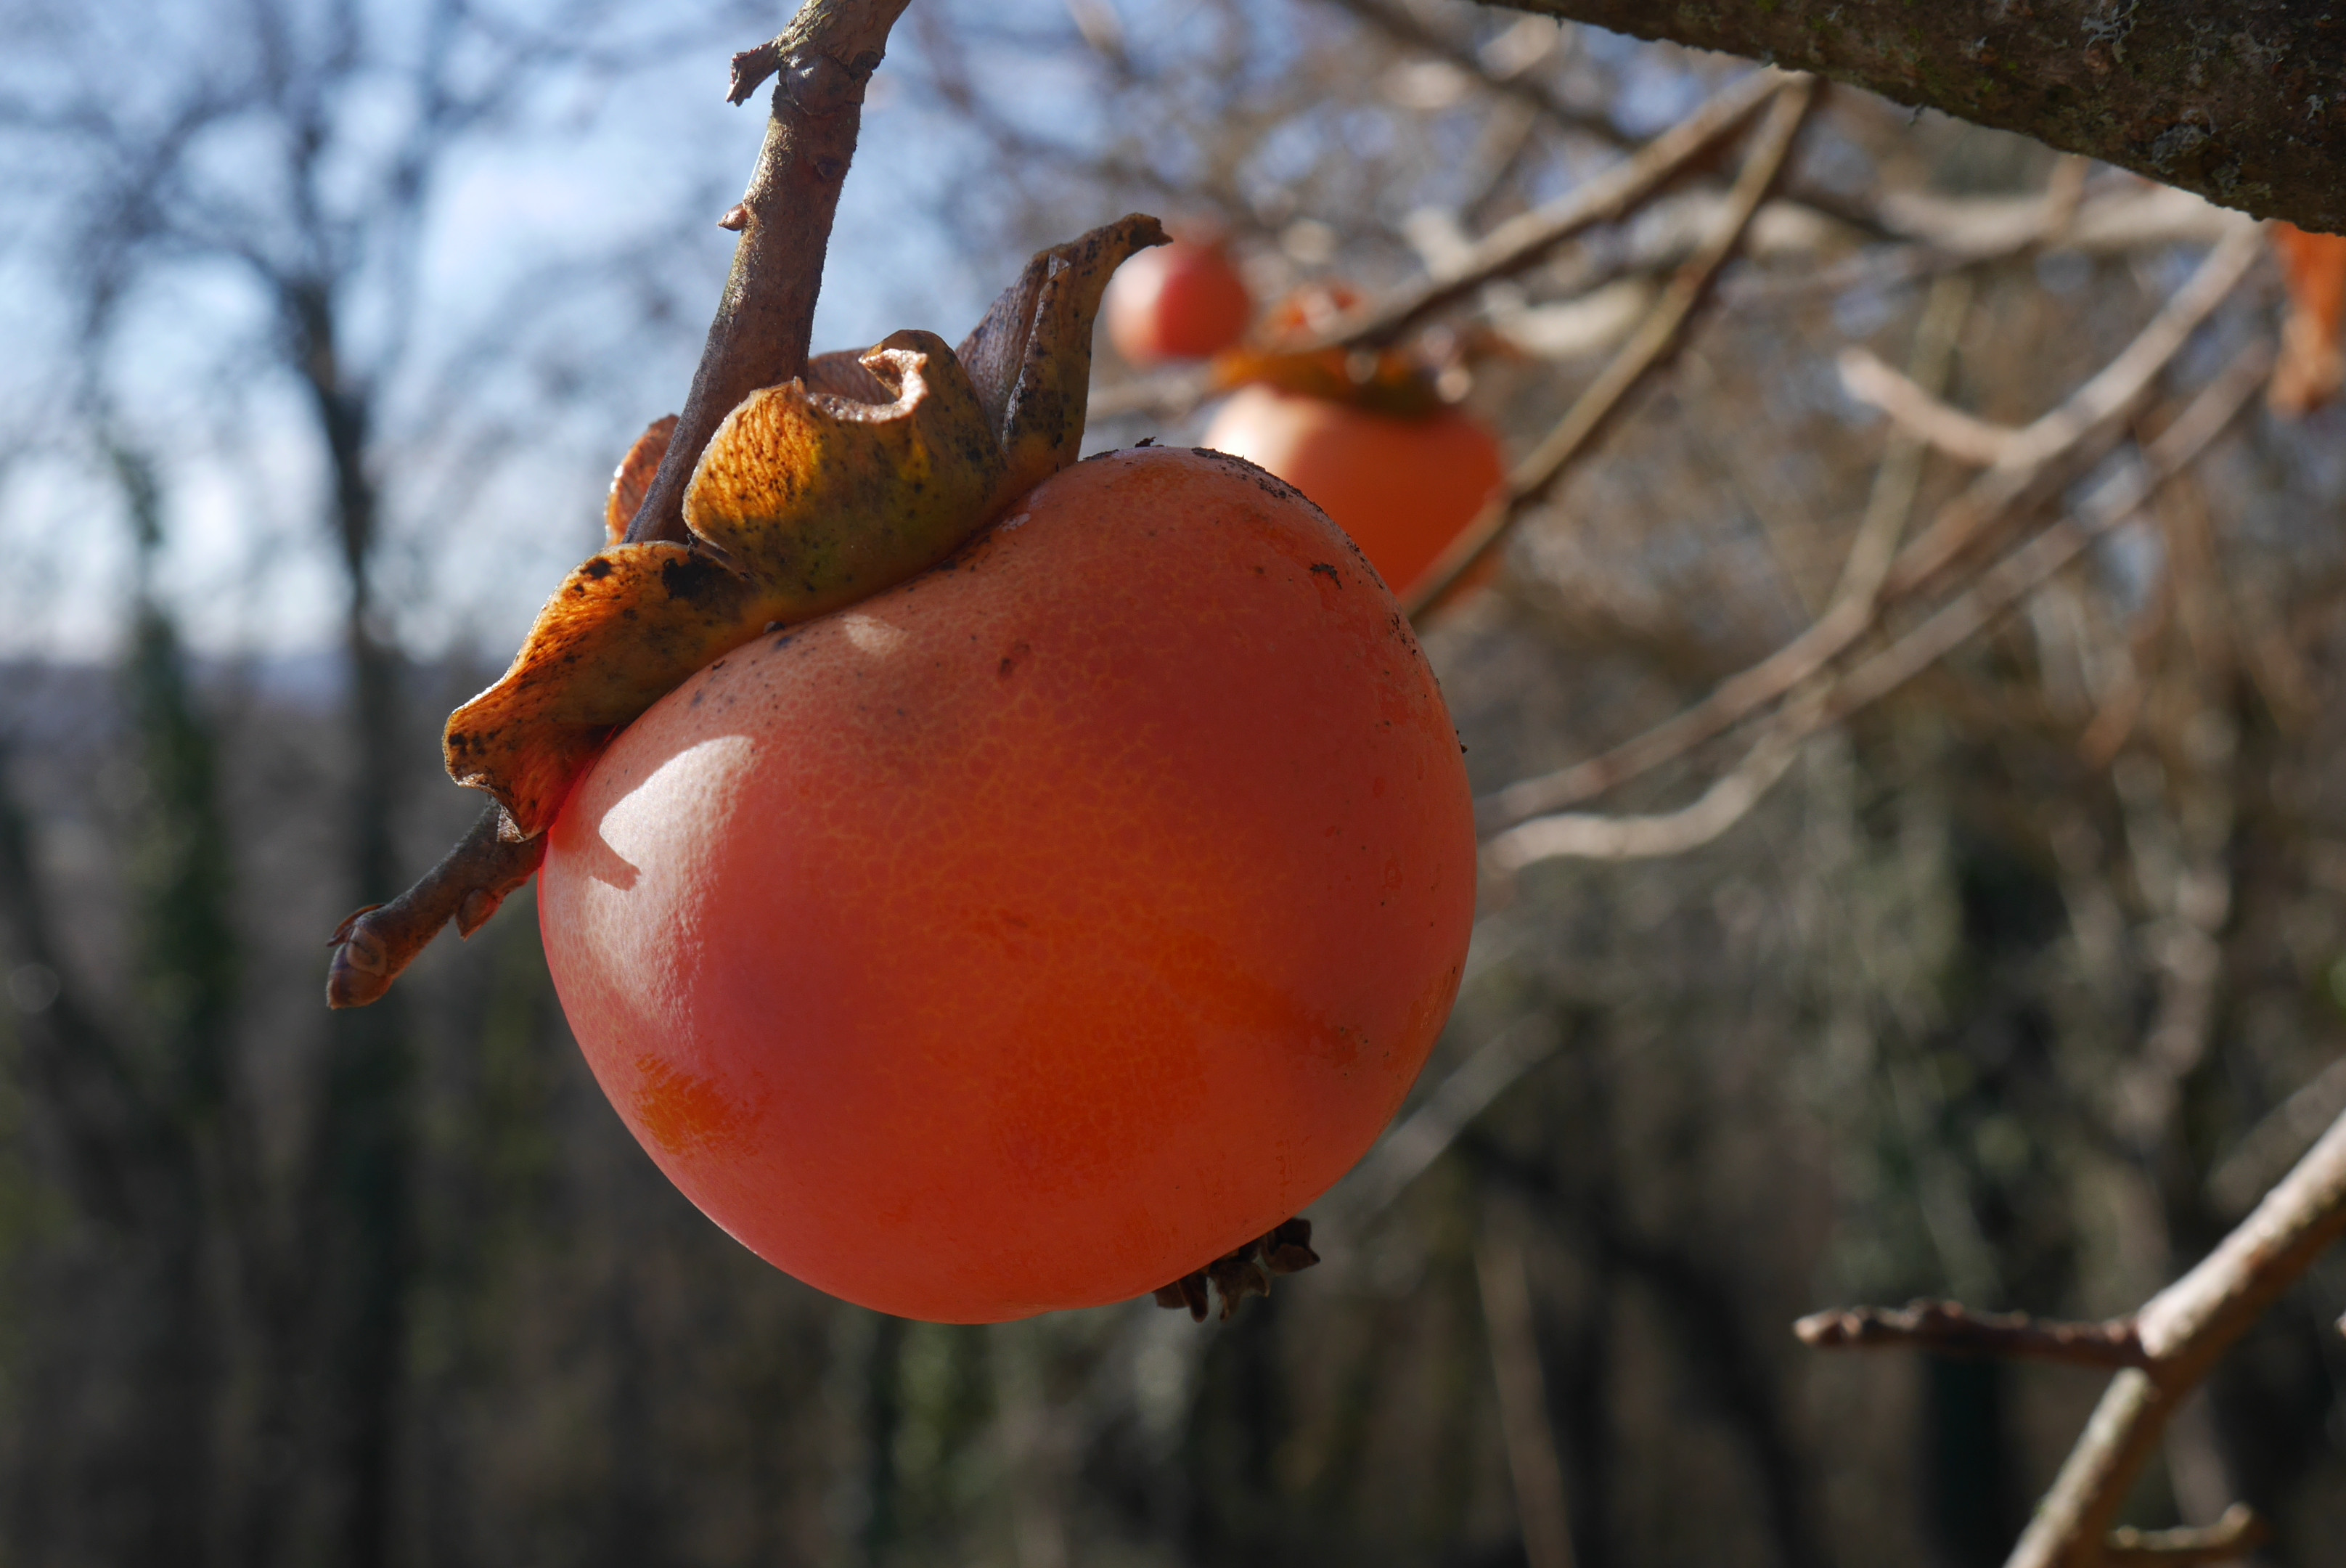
(1031, 357)
(1286, 1249)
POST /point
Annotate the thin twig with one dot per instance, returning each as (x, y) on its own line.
(2058, 438)
(2276, 1140)
(2011, 579)
(765, 317)
(1656, 336)
(1598, 836)
(2167, 1349)
(1946, 1328)
(2109, 395)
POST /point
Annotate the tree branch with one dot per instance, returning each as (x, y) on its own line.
(1411, 32)
(2168, 1349)
(2235, 100)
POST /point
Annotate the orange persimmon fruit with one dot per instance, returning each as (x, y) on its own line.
(1403, 486)
(1035, 931)
(1182, 300)
(2311, 367)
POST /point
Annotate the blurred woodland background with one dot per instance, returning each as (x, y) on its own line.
(2020, 984)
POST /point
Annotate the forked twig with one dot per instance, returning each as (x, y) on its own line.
(2167, 1349)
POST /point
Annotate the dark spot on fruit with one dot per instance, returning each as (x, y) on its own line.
(1330, 570)
(599, 568)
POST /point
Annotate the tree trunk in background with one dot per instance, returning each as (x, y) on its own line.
(2240, 100)
(188, 981)
(361, 1204)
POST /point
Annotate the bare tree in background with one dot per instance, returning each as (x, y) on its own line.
(297, 150)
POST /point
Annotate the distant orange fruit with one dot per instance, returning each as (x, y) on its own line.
(1404, 488)
(1184, 300)
(1033, 932)
(2311, 367)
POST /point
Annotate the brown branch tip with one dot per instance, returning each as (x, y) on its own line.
(2235, 1535)
(1286, 1249)
(1949, 1328)
(375, 943)
(752, 66)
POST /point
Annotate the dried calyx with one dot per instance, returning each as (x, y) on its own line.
(1248, 1271)
(813, 494)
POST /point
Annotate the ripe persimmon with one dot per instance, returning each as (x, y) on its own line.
(1183, 301)
(1040, 929)
(1403, 487)
(2311, 367)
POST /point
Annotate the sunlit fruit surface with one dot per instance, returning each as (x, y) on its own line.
(1034, 933)
(1179, 301)
(1402, 488)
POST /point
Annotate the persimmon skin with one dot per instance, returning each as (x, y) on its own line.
(1038, 931)
(1402, 488)
(1182, 300)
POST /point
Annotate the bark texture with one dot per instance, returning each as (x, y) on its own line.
(2243, 101)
